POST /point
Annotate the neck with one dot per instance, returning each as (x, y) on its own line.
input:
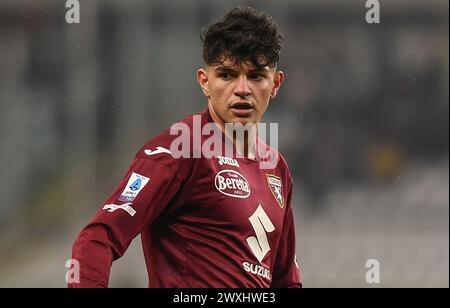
(244, 143)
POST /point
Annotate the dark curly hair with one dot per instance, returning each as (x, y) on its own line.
(243, 34)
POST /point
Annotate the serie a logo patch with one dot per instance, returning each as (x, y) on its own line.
(276, 187)
(133, 187)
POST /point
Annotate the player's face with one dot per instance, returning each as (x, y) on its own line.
(239, 93)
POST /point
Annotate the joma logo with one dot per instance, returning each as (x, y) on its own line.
(227, 161)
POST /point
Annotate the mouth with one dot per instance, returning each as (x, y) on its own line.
(242, 109)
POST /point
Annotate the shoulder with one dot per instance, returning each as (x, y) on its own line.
(283, 169)
(159, 149)
(274, 160)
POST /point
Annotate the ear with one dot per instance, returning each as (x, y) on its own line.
(202, 78)
(278, 81)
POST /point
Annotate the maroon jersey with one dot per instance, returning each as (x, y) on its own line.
(204, 222)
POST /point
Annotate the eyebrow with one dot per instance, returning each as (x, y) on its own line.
(224, 69)
(228, 69)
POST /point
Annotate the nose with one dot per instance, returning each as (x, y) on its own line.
(242, 89)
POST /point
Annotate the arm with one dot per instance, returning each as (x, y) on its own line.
(109, 234)
(286, 273)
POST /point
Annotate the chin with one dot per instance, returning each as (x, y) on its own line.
(244, 121)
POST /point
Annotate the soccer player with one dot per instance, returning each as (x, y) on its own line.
(207, 221)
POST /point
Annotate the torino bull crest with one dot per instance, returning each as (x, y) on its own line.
(276, 188)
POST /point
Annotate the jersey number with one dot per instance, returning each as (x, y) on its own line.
(262, 225)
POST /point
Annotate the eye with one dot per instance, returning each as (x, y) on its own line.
(257, 77)
(225, 76)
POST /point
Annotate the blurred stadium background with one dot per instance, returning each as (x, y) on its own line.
(363, 124)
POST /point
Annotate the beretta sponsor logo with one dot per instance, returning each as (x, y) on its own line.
(232, 183)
